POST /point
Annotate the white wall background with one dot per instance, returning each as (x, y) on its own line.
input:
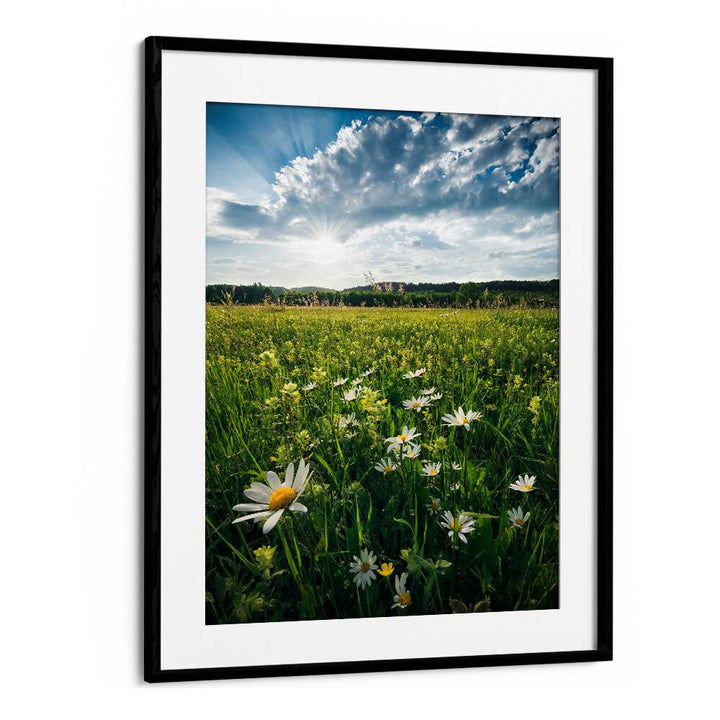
(70, 396)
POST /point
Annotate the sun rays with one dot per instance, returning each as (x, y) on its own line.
(323, 234)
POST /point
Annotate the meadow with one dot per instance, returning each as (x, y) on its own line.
(380, 462)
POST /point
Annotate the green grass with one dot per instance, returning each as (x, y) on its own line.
(501, 363)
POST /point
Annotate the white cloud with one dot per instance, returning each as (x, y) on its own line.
(443, 197)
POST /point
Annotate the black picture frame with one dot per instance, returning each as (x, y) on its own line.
(153, 276)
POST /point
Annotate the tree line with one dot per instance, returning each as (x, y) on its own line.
(495, 293)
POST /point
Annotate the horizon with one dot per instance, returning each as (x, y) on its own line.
(320, 196)
(384, 282)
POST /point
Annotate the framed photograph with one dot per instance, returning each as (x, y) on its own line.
(378, 359)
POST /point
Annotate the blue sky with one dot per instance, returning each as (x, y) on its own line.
(318, 196)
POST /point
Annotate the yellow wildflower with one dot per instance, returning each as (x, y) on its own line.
(386, 569)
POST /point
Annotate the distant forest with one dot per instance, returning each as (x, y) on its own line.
(495, 293)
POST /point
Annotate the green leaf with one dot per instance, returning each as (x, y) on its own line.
(457, 606)
(403, 522)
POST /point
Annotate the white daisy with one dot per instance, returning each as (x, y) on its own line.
(431, 469)
(386, 465)
(516, 517)
(524, 483)
(367, 372)
(416, 373)
(339, 382)
(309, 386)
(435, 396)
(356, 381)
(351, 394)
(346, 421)
(402, 596)
(412, 450)
(456, 466)
(460, 418)
(416, 403)
(403, 437)
(273, 499)
(363, 566)
(434, 506)
(458, 526)
(428, 391)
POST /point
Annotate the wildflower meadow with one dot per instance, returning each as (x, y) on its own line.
(371, 462)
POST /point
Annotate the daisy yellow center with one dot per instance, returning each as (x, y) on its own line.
(404, 598)
(435, 505)
(388, 468)
(432, 471)
(281, 498)
(518, 521)
(464, 421)
(402, 438)
(527, 488)
(364, 567)
(416, 404)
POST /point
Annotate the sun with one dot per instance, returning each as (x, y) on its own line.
(319, 241)
(323, 226)
(323, 247)
(325, 238)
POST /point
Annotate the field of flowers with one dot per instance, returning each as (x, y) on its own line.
(378, 462)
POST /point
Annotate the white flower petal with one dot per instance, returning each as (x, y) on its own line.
(298, 507)
(272, 521)
(273, 480)
(300, 475)
(261, 487)
(249, 507)
(252, 516)
(302, 478)
(258, 495)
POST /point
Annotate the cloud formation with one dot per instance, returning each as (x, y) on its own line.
(409, 197)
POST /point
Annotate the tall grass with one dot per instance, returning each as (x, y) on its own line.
(501, 363)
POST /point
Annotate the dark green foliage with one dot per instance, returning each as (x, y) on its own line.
(495, 294)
